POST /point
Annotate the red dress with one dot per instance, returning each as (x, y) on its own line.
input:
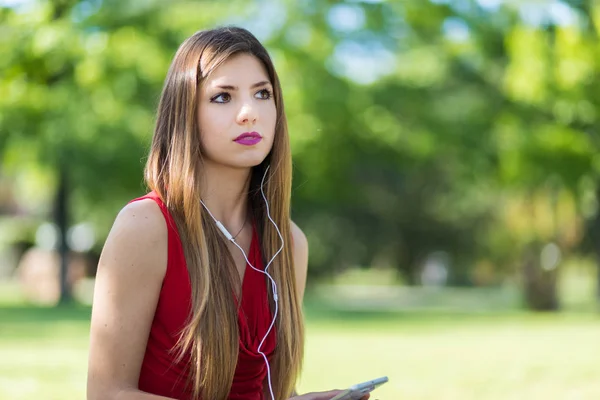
(160, 374)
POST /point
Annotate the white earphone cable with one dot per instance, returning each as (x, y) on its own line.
(265, 272)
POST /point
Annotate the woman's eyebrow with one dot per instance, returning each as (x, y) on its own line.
(257, 84)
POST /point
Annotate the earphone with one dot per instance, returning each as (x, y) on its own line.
(230, 237)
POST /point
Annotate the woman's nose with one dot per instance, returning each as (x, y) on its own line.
(247, 114)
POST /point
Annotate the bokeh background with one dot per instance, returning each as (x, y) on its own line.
(446, 173)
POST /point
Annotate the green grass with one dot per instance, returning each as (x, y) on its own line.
(43, 352)
(458, 356)
(426, 354)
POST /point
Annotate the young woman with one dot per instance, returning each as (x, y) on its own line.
(200, 283)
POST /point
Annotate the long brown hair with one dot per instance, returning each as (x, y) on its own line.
(174, 171)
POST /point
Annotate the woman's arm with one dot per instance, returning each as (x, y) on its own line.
(300, 250)
(300, 254)
(130, 274)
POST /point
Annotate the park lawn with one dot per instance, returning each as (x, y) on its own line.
(515, 356)
(426, 355)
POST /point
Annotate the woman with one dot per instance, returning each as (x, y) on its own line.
(184, 304)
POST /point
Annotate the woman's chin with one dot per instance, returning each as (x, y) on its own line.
(249, 162)
(243, 164)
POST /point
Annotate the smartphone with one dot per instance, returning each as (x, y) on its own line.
(357, 391)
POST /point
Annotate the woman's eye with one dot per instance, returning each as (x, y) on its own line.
(221, 98)
(264, 94)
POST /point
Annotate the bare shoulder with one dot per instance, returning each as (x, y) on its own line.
(138, 240)
(142, 215)
(299, 239)
(300, 254)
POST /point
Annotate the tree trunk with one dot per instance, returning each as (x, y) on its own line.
(598, 279)
(61, 217)
(539, 285)
(593, 233)
(595, 236)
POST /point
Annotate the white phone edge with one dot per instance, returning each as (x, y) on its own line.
(375, 383)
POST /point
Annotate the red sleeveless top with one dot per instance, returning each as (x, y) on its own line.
(160, 374)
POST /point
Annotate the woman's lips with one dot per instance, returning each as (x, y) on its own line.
(248, 138)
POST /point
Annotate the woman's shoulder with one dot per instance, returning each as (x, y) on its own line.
(300, 254)
(299, 241)
(144, 215)
(140, 230)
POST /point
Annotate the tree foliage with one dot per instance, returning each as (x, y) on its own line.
(416, 126)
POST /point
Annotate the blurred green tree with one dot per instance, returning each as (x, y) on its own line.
(417, 127)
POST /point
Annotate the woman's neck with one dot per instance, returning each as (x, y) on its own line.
(225, 194)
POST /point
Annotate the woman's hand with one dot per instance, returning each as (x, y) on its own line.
(323, 395)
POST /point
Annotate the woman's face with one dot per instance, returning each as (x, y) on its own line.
(236, 113)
